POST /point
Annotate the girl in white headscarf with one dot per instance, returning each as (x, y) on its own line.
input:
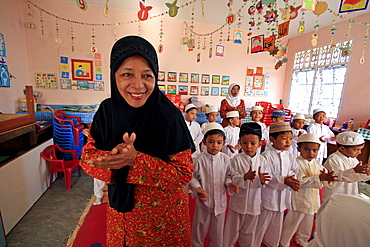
(342, 221)
(232, 103)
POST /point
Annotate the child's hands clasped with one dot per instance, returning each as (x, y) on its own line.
(293, 183)
(327, 176)
(234, 188)
(250, 174)
(362, 168)
(124, 154)
(264, 176)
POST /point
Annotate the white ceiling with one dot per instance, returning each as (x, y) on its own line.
(216, 11)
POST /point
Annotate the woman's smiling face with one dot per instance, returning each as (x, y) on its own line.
(135, 80)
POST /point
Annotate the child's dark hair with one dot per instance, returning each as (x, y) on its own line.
(241, 134)
(348, 146)
(276, 134)
(214, 132)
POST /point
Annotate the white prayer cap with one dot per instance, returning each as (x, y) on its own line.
(318, 110)
(232, 114)
(256, 108)
(350, 138)
(189, 106)
(213, 126)
(309, 138)
(211, 109)
(299, 116)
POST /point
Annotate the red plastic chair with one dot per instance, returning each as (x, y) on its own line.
(265, 105)
(62, 118)
(50, 155)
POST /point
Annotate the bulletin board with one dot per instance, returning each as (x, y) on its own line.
(81, 70)
(256, 82)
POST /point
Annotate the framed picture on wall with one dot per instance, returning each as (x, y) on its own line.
(194, 90)
(4, 76)
(161, 76)
(205, 78)
(238, 37)
(171, 89)
(183, 77)
(348, 6)
(220, 50)
(215, 79)
(162, 88)
(215, 91)
(204, 91)
(82, 70)
(183, 90)
(172, 76)
(224, 91)
(225, 80)
(258, 82)
(257, 43)
(194, 78)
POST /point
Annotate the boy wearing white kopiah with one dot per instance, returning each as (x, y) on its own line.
(232, 146)
(323, 131)
(345, 164)
(297, 131)
(276, 196)
(256, 115)
(211, 178)
(244, 207)
(194, 127)
(306, 202)
(211, 115)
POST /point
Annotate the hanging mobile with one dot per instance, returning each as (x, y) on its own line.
(160, 47)
(210, 47)
(57, 40)
(362, 59)
(72, 39)
(82, 4)
(30, 23)
(93, 47)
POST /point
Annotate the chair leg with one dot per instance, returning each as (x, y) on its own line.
(68, 178)
(79, 171)
(51, 179)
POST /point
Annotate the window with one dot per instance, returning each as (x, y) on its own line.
(318, 79)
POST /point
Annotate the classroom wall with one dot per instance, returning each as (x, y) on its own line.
(28, 51)
(355, 98)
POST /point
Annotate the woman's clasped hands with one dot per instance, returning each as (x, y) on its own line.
(124, 154)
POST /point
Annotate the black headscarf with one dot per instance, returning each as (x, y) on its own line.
(159, 126)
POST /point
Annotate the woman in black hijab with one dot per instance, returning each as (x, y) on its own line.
(140, 146)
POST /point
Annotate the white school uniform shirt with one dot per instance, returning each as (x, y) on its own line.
(264, 131)
(196, 134)
(212, 173)
(348, 178)
(307, 200)
(232, 138)
(248, 200)
(293, 149)
(276, 196)
(321, 130)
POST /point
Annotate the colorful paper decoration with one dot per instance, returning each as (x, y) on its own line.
(82, 4)
(352, 5)
(309, 4)
(143, 13)
(362, 59)
(230, 19)
(285, 14)
(172, 8)
(271, 16)
(346, 50)
(105, 10)
(294, 11)
(283, 29)
(252, 10)
(321, 7)
(269, 43)
(301, 27)
(269, 3)
(259, 70)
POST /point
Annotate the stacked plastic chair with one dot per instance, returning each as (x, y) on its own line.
(68, 132)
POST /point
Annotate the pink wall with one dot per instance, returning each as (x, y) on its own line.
(356, 92)
(29, 52)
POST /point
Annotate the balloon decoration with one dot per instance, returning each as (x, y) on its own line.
(82, 4)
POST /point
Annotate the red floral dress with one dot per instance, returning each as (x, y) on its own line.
(225, 108)
(161, 213)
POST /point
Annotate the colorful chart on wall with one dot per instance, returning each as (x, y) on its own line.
(46, 80)
(4, 76)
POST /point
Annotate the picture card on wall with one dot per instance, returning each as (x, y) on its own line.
(162, 88)
(65, 84)
(194, 90)
(215, 79)
(161, 76)
(225, 80)
(215, 91)
(220, 50)
(194, 78)
(183, 77)
(99, 85)
(171, 89)
(4, 76)
(257, 43)
(205, 78)
(82, 70)
(224, 91)
(172, 76)
(258, 82)
(204, 91)
(82, 85)
(183, 90)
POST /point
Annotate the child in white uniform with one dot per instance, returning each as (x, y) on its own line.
(256, 115)
(298, 123)
(194, 127)
(323, 131)
(244, 208)
(211, 115)
(306, 202)
(345, 164)
(276, 197)
(232, 146)
(277, 116)
(211, 178)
